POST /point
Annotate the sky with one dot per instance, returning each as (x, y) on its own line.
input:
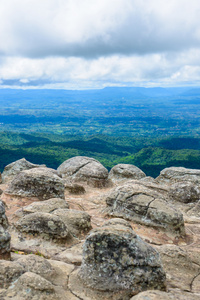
(81, 44)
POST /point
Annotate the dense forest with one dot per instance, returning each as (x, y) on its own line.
(152, 128)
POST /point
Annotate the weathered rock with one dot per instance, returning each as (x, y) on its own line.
(180, 268)
(176, 174)
(74, 188)
(46, 225)
(185, 192)
(145, 205)
(42, 183)
(46, 206)
(16, 167)
(84, 169)
(159, 295)
(37, 264)
(125, 171)
(9, 272)
(76, 221)
(4, 234)
(115, 258)
(32, 286)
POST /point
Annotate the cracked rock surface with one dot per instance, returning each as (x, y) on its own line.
(84, 169)
(144, 205)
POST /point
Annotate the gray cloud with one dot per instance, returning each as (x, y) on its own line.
(94, 43)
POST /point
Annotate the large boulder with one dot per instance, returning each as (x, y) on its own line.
(184, 192)
(125, 171)
(16, 167)
(115, 258)
(76, 221)
(4, 234)
(145, 205)
(46, 225)
(84, 169)
(43, 183)
(176, 174)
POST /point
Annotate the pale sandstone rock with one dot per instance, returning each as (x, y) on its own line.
(171, 295)
(46, 206)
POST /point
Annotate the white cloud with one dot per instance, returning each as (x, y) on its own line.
(81, 43)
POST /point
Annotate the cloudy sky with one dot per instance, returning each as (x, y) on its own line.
(80, 44)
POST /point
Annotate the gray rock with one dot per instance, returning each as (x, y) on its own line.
(42, 183)
(16, 167)
(115, 258)
(84, 169)
(4, 234)
(177, 174)
(46, 225)
(9, 272)
(76, 221)
(32, 286)
(125, 171)
(145, 205)
(37, 264)
(185, 192)
(46, 206)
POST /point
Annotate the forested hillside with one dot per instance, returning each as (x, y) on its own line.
(152, 128)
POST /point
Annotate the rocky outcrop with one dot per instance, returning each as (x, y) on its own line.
(84, 169)
(4, 234)
(46, 225)
(115, 258)
(125, 171)
(145, 205)
(42, 183)
(16, 167)
(177, 174)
